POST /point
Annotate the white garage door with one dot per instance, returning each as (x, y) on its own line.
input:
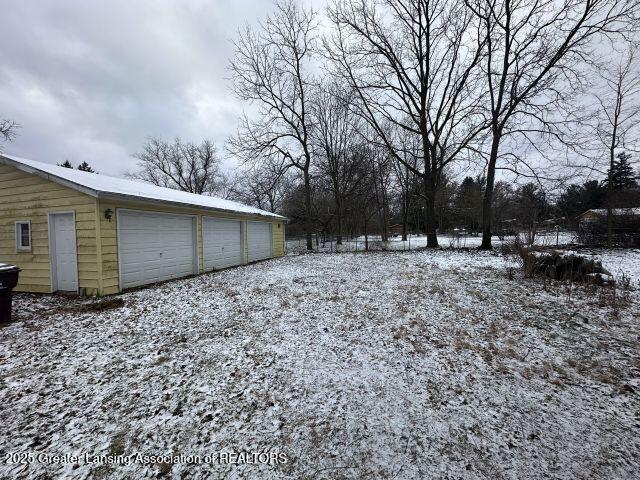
(221, 243)
(259, 240)
(154, 246)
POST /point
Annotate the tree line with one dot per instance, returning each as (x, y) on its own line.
(375, 114)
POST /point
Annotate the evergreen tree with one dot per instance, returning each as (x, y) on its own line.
(622, 174)
(468, 202)
(66, 164)
(532, 205)
(577, 199)
(85, 167)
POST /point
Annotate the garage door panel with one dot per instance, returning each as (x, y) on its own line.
(222, 243)
(259, 241)
(154, 247)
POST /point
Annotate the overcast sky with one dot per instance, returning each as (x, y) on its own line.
(91, 80)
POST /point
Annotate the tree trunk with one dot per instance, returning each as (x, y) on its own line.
(487, 200)
(379, 192)
(383, 232)
(430, 222)
(612, 159)
(366, 234)
(385, 213)
(307, 207)
(339, 220)
(405, 217)
(430, 214)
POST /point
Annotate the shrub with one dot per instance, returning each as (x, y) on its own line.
(560, 265)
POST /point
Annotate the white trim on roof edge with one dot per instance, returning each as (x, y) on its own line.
(152, 201)
(106, 195)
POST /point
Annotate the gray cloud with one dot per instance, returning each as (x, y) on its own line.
(91, 80)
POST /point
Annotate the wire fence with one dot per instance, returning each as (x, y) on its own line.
(454, 240)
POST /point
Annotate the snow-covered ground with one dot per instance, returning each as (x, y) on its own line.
(618, 261)
(414, 242)
(408, 365)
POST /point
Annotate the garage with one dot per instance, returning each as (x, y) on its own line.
(221, 243)
(259, 240)
(98, 235)
(153, 247)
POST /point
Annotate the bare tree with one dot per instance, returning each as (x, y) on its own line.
(337, 139)
(365, 201)
(185, 166)
(272, 69)
(411, 64)
(619, 109)
(8, 130)
(405, 178)
(380, 168)
(263, 185)
(532, 47)
(403, 181)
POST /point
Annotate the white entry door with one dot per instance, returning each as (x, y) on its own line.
(155, 246)
(259, 240)
(221, 243)
(64, 256)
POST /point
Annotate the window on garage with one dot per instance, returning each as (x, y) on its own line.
(23, 236)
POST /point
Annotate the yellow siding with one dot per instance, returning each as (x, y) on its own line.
(278, 238)
(24, 196)
(109, 249)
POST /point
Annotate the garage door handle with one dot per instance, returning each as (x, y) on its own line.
(160, 253)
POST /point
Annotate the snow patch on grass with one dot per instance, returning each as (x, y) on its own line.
(422, 364)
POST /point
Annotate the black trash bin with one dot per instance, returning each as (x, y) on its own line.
(8, 280)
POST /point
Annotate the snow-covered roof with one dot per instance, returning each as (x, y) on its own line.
(615, 211)
(103, 186)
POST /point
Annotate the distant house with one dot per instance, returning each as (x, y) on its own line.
(551, 223)
(395, 230)
(75, 231)
(593, 227)
(600, 214)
